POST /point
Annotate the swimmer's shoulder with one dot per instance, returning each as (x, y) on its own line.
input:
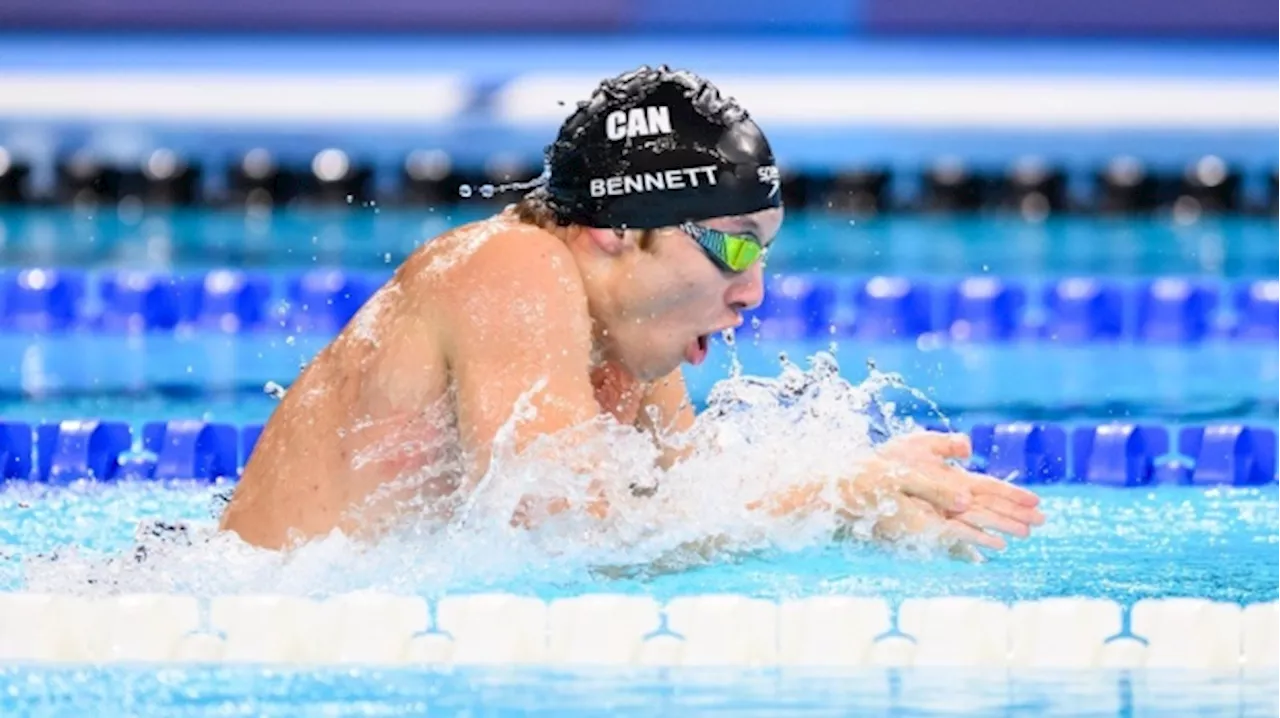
(502, 279)
(481, 254)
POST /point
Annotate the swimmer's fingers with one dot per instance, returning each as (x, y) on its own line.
(951, 446)
(942, 485)
(932, 444)
(1006, 504)
(1000, 506)
(944, 496)
(989, 486)
(951, 489)
(923, 449)
(984, 519)
(917, 518)
(984, 489)
(959, 532)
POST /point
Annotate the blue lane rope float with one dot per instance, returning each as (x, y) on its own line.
(1116, 454)
(1165, 311)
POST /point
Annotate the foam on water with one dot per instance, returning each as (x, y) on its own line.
(759, 435)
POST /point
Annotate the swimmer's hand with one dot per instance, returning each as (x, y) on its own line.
(913, 491)
(970, 505)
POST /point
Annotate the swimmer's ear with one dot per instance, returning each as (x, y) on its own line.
(610, 241)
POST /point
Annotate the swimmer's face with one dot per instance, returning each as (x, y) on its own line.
(673, 297)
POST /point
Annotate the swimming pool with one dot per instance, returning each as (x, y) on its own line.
(1131, 548)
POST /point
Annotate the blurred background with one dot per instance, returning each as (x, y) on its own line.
(195, 196)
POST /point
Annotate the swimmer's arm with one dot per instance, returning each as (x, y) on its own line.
(525, 346)
(667, 410)
(525, 338)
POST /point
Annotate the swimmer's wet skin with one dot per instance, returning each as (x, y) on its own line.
(574, 306)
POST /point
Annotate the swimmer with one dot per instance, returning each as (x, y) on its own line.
(645, 238)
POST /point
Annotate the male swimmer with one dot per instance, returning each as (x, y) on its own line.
(583, 299)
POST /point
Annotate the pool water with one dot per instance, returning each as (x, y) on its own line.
(220, 377)
(1120, 544)
(378, 238)
(915, 693)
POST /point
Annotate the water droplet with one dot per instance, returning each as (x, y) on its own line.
(486, 191)
(824, 365)
(755, 323)
(386, 258)
(465, 191)
(351, 198)
(290, 340)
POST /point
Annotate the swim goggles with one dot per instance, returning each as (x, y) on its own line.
(731, 252)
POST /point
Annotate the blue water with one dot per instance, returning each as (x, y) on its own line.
(1121, 544)
(915, 693)
(219, 377)
(377, 238)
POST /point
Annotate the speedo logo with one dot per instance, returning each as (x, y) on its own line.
(637, 122)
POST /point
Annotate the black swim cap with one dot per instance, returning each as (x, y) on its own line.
(654, 148)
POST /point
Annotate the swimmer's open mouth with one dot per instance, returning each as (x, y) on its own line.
(696, 352)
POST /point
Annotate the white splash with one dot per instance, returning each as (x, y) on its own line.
(463, 243)
(365, 325)
(445, 253)
(757, 436)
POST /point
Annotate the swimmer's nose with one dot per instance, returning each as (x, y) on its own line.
(747, 289)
